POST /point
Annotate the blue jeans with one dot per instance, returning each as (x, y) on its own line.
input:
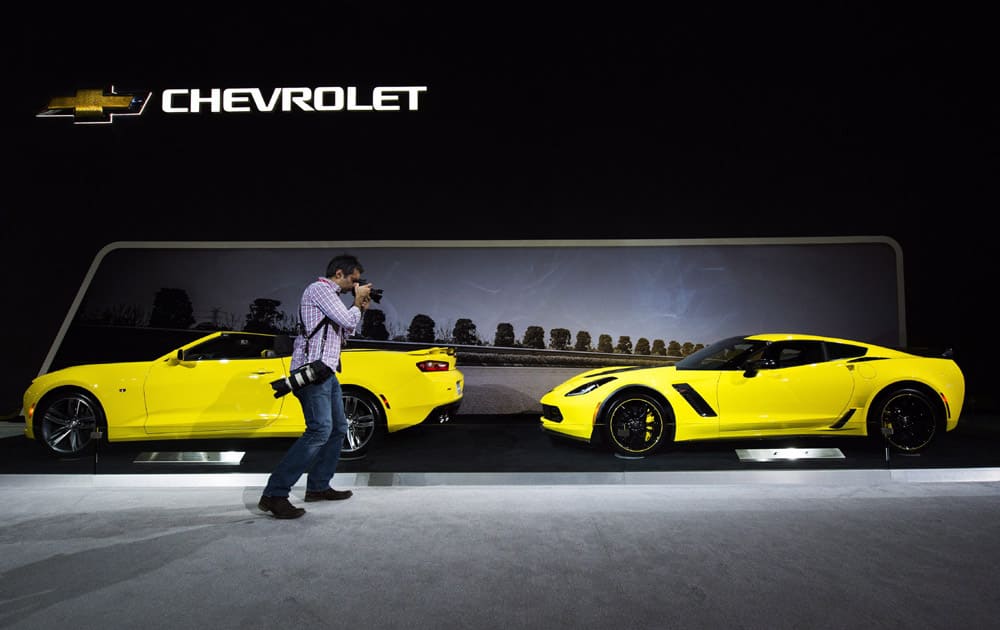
(318, 450)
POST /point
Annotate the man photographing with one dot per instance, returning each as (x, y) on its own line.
(326, 323)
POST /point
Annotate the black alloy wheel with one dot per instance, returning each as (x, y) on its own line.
(910, 419)
(638, 424)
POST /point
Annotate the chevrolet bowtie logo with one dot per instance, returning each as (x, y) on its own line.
(97, 106)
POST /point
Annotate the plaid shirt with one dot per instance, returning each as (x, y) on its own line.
(322, 299)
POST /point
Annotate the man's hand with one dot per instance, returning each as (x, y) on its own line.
(362, 296)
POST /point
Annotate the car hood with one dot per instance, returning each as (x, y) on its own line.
(89, 375)
(617, 371)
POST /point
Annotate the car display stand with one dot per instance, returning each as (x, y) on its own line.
(787, 454)
(218, 458)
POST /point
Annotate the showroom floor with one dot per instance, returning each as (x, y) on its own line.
(697, 549)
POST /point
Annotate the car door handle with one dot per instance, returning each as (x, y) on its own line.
(264, 372)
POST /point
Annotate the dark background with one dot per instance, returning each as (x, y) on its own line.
(610, 124)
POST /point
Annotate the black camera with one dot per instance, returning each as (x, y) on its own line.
(313, 372)
(376, 294)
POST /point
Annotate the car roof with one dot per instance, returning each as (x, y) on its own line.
(804, 336)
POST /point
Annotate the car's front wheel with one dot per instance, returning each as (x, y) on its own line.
(909, 419)
(66, 422)
(365, 423)
(638, 424)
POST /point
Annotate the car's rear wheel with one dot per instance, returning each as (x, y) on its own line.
(365, 423)
(909, 417)
(638, 424)
(65, 423)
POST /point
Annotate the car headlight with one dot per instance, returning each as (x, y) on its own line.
(590, 386)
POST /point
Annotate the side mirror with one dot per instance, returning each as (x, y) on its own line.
(177, 358)
(750, 368)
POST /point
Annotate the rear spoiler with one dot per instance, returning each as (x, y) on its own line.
(436, 350)
(924, 351)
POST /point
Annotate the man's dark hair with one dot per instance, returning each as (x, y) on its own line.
(346, 263)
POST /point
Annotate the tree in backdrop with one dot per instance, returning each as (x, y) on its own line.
(421, 329)
(659, 348)
(604, 344)
(504, 337)
(642, 346)
(119, 315)
(624, 344)
(559, 338)
(582, 341)
(465, 333)
(373, 325)
(264, 317)
(171, 309)
(534, 337)
(674, 348)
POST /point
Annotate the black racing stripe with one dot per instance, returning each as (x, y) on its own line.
(844, 419)
(693, 398)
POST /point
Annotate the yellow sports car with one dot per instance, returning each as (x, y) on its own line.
(766, 385)
(219, 386)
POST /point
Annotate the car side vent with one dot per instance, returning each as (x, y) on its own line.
(843, 420)
(693, 398)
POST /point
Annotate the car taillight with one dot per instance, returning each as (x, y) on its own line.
(433, 366)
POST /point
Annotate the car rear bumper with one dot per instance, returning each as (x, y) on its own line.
(442, 413)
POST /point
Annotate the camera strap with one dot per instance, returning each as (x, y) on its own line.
(321, 324)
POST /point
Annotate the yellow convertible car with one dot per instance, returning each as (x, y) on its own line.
(765, 385)
(218, 386)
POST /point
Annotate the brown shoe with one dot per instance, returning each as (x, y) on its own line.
(328, 495)
(280, 507)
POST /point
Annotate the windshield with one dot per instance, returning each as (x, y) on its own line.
(727, 354)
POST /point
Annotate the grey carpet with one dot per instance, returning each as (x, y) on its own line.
(613, 555)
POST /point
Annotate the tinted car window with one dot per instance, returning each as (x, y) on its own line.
(727, 354)
(844, 351)
(795, 353)
(231, 347)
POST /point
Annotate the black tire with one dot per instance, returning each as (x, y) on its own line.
(65, 422)
(911, 418)
(365, 423)
(637, 425)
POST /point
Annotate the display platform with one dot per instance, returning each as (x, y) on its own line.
(512, 444)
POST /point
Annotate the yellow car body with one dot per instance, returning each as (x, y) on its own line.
(757, 386)
(218, 386)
